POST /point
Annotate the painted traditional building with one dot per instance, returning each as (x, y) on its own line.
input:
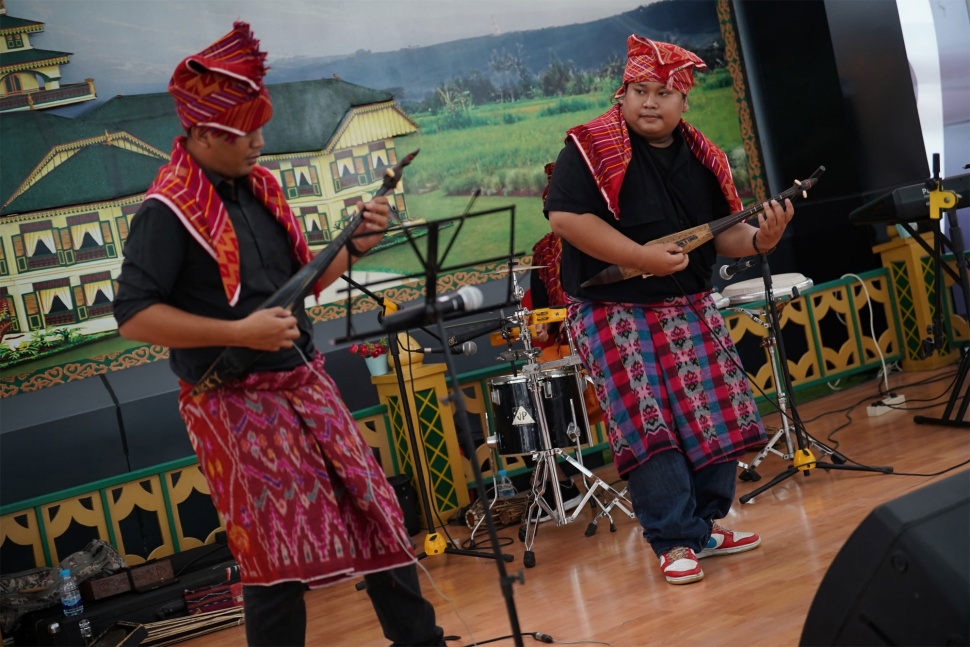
(70, 187)
(30, 78)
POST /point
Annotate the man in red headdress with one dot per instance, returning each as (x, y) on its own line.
(677, 405)
(304, 501)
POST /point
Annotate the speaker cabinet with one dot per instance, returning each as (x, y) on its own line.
(903, 576)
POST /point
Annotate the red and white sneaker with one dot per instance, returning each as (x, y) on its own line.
(726, 542)
(679, 566)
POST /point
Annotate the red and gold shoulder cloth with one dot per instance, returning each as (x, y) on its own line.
(184, 187)
(605, 145)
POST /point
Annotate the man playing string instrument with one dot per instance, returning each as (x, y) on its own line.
(304, 501)
(677, 404)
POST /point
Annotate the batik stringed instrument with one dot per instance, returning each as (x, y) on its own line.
(234, 362)
(692, 238)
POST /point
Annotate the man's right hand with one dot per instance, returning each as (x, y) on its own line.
(270, 329)
(663, 259)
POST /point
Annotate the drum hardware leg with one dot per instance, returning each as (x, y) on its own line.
(593, 485)
(802, 460)
(543, 471)
(491, 503)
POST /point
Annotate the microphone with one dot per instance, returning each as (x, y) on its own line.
(468, 348)
(729, 271)
(472, 333)
(466, 298)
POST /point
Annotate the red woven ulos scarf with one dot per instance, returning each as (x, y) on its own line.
(184, 187)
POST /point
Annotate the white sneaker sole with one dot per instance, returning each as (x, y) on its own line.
(685, 579)
(714, 552)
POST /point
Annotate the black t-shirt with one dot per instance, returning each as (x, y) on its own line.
(165, 264)
(665, 190)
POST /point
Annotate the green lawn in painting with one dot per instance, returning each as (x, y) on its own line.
(477, 239)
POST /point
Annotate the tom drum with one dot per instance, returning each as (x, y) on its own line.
(516, 419)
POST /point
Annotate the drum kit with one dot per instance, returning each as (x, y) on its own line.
(540, 411)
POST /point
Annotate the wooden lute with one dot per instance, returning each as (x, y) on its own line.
(692, 238)
(234, 362)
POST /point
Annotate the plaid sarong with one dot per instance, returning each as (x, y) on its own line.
(302, 495)
(667, 381)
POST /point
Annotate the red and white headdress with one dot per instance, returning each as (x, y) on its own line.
(222, 86)
(649, 60)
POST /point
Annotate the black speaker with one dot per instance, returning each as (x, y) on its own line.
(407, 496)
(903, 576)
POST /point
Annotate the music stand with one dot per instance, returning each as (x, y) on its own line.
(803, 460)
(430, 315)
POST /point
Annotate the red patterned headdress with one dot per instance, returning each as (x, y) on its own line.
(658, 62)
(222, 86)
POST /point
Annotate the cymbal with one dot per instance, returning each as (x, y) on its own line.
(517, 268)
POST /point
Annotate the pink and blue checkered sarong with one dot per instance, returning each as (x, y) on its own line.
(665, 380)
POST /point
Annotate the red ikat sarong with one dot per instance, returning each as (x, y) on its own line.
(301, 494)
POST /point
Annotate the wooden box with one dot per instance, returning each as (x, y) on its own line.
(99, 588)
(151, 575)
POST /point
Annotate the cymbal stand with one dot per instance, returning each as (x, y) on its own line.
(803, 461)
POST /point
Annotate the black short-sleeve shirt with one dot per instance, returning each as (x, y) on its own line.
(665, 190)
(164, 264)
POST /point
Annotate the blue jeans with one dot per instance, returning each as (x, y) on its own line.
(676, 505)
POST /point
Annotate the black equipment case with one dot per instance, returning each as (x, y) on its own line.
(194, 568)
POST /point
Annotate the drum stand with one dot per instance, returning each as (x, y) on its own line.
(802, 459)
(544, 470)
(748, 471)
(544, 473)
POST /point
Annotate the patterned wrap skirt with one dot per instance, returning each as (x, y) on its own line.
(665, 379)
(301, 494)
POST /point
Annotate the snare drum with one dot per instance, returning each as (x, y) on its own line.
(516, 420)
(782, 286)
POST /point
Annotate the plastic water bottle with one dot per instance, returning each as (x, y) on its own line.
(504, 487)
(70, 595)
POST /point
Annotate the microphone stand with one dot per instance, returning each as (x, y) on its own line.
(803, 460)
(394, 349)
(431, 266)
(464, 436)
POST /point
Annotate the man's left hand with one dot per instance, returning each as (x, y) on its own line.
(376, 214)
(772, 223)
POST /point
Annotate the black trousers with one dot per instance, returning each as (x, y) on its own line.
(276, 615)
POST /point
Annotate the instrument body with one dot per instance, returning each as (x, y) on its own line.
(690, 239)
(233, 362)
